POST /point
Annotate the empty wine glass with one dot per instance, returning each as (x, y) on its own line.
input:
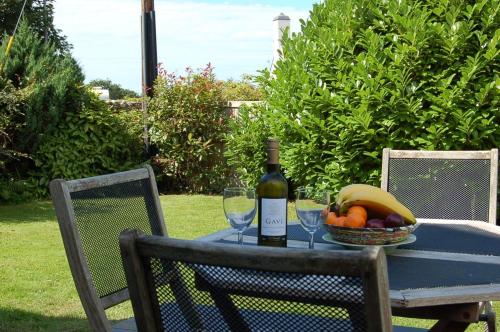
(239, 208)
(312, 207)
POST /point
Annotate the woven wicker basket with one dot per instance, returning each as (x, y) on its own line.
(369, 236)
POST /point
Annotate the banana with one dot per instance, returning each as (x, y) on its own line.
(373, 199)
(348, 190)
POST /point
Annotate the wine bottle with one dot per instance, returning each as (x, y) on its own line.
(272, 196)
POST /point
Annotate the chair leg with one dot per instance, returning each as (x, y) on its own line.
(490, 317)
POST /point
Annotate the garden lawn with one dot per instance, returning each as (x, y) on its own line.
(37, 292)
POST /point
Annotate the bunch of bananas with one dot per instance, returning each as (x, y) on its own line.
(375, 200)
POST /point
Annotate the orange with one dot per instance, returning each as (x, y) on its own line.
(333, 220)
(340, 221)
(358, 209)
(355, 220)
(330, 218)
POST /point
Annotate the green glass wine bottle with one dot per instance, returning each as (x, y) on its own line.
(272, 195)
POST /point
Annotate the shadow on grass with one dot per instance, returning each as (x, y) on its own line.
(27, 212)
(20, 320)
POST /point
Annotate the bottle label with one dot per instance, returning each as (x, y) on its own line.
(273, 221)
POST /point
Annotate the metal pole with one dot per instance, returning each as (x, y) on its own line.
(149, 56)
(149, 59)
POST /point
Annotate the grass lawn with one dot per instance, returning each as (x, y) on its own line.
(36, 288)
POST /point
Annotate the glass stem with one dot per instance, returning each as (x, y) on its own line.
(311, 240)
(240, 237)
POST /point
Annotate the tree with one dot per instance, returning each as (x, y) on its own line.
(115, 90)
(51, 81)
(39, 14)
(244, 89)
(51, 125)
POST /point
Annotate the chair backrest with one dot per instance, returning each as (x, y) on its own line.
(443, 184)
(254, 288)
(92, 212)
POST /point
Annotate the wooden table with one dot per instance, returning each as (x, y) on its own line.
(446, 274)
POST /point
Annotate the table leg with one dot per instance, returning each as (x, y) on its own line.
(445, 325)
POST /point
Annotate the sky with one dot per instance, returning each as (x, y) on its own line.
(235, 36)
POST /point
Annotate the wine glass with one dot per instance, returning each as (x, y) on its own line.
(239, 208)
(312, 208)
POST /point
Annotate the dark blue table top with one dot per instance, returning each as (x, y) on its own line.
(432, 237)
(415, 272)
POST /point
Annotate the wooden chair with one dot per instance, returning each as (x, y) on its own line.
(254, 288)
(456, 185)
(443, 184)
(92, 212)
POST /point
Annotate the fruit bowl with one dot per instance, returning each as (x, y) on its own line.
(369, 236)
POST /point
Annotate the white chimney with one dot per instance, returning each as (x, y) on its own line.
(280, 22)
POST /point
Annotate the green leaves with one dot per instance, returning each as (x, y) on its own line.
(51, 82)
(51, 126)
(363, 75)
(92, 142)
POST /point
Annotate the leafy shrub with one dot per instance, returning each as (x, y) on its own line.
(92, 142)
(367, 74)
(245, 143)
(187, 124)
(15, 190)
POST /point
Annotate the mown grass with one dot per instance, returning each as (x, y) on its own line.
(36, 288)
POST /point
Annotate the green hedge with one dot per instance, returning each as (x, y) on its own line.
(367, 74)
(93, 142)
